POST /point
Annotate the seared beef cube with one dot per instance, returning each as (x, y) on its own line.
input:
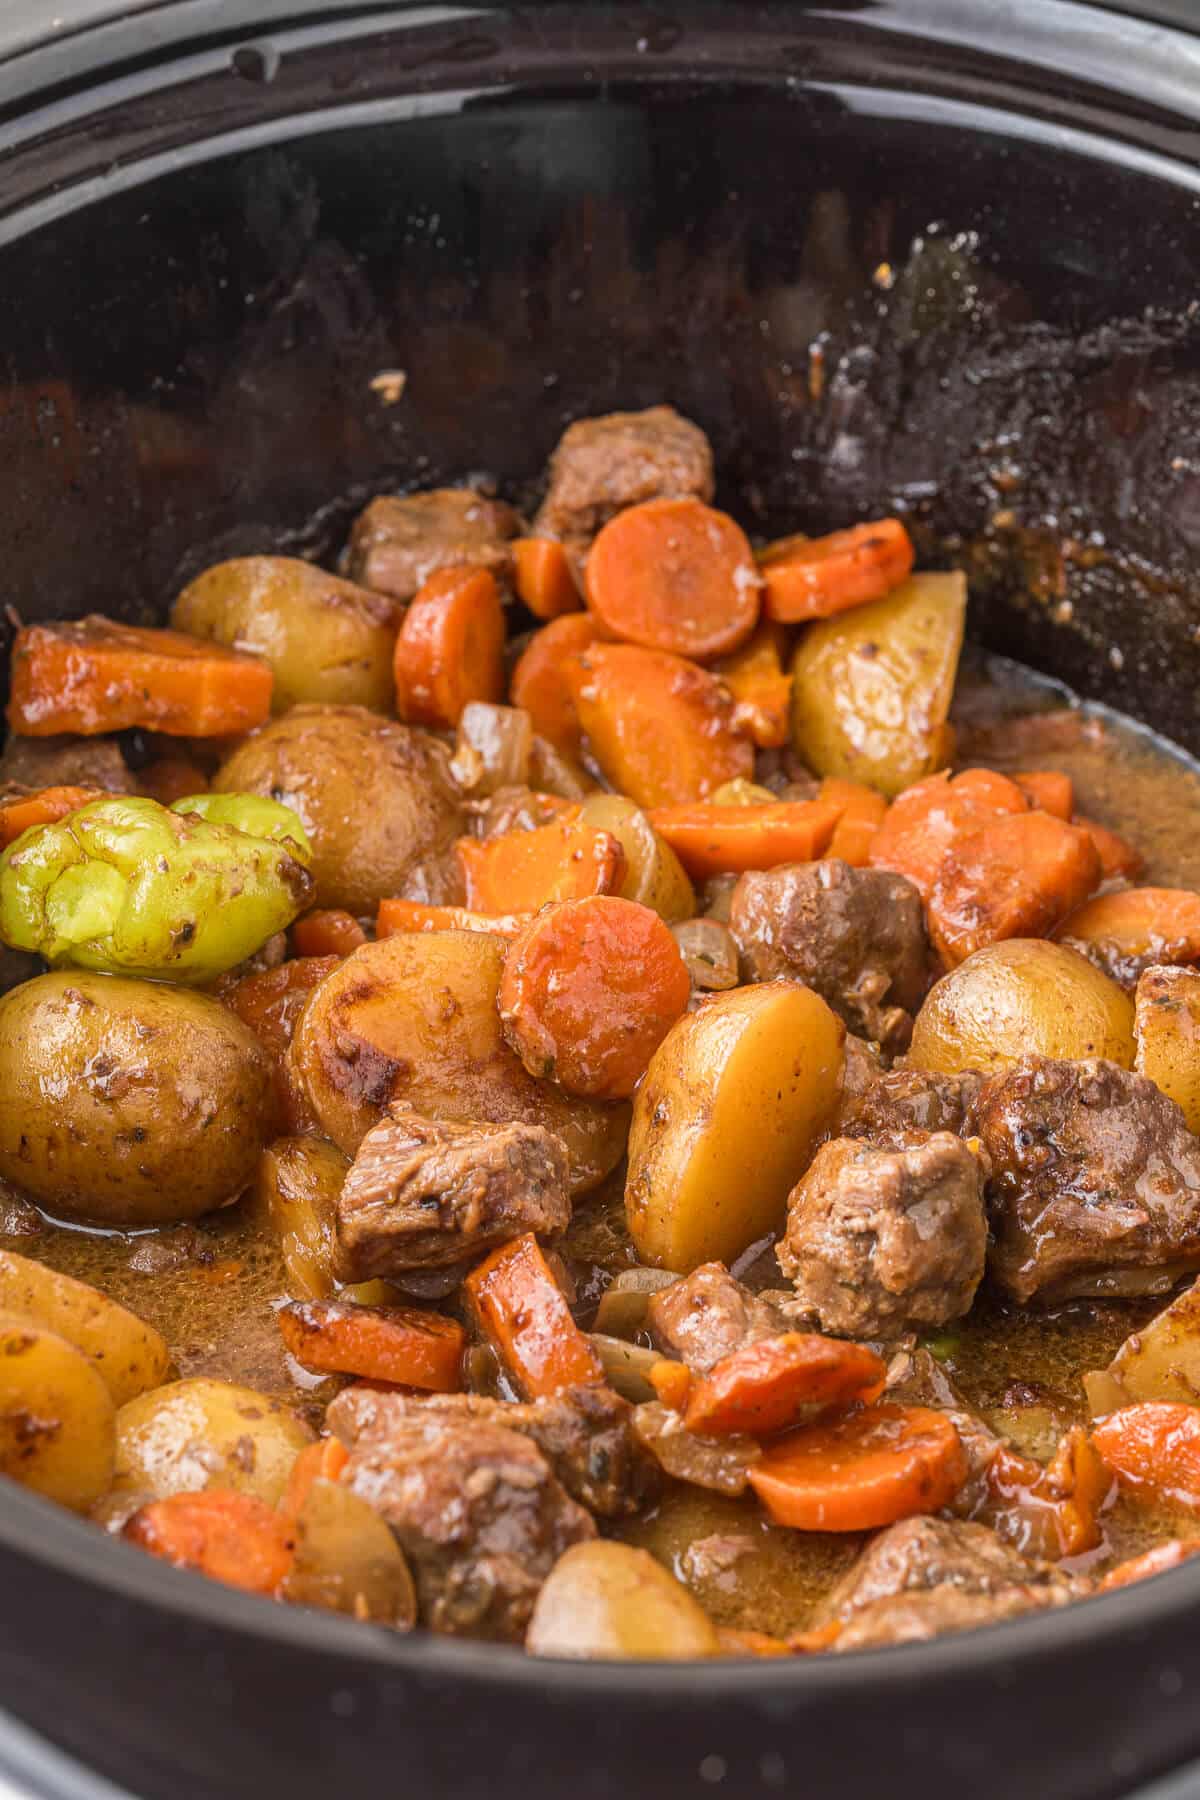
(94, 762)
(602, 465)
(855, 935)
(901, 1100)
(585, 1433)
(925, 1576)
(474, 1506)
(1095, 1180)
(421, 1194)
(398, 542)
(878, 1239)
(707, 1315)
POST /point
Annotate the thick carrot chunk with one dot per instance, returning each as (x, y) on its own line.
(761, 689)
(710, 839)
(400, 1344)
(524, 1315)
(766, 1386)
(521, 871)
(44, 808)
(230, 1537)
(863, 811)
(1018, 877)
(925, 820)
(543, 577)
(450, 649)
(813, 578)
(331, 932)
(1153, 1449)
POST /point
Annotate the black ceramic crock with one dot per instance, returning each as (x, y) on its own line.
(933, 255)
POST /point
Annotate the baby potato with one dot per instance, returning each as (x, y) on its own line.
(376, 798)
(414, 1018)
(608, 1600)
(56, 1416)
(129, 1355)
(726, 1120)
(128, 1102)
(1023, 997)
(203, 1433)
(1166, 1024)
(327, 641)
(654, 875)
(1161, 1361)
(871, 687)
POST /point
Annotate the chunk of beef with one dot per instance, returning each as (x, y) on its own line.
(474, 1505)
(399, 541)
(1095, 1180)
(926, 1576)
(880, 1239)
(602, 465)
(421, 1194)
(585, 1433)
(94, 762)
(707, 1315)
(900, 1100)
(1123, 965)
(855, 935)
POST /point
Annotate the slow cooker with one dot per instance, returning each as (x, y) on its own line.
(933, 256)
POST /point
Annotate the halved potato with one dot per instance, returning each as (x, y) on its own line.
(56, 1416)
(128, 1354)
(609, 1600)
(202, 1433)
(1166, 1024)
(726, 1119)
(1161, 1361)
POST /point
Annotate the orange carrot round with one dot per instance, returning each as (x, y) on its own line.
(400, 1344)
(330, 932)
(766, 1386)
(1137, 922)
(1153, 1449)
(540, 681)
(674, 575)
(451, 647)
(813, 578)
(589, 991)
(544, 578)
(926, 819)
(230, 1537)
(867, 1469)
(1017, 877)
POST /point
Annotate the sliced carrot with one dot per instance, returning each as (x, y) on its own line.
(328, 932)
(1153, 1449)
(672, 1382)
(450, 649)
(401, 1344)
(231, 1537)
(1139, 922)
(813, 578)
(523, 1313)
(590, 989)
(761, 688)
(867, 1469)
(1118, 858)
(396, 916)
(926, 819)
(322, 1461)
(541, 682)
(1048, 790)
(766, 1386)
(710, 839)
(735, 1642)
(660, 727)
(544, 578)
(92, 675)
(271, 1003)
(46, 807)
(171, 778)
(522, 870)
(1018, 877)
(674, 575)
(863, 811)
(1151, 1562)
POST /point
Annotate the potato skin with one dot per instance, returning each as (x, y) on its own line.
(1023, 997)
(414, 1019)
(128, 1102)
(204, 1433)
(1167, 1024)
(129, 1355)
(326, 640)
(608, 1600)
(375, 797)
(56, 1416)
(726, 1120)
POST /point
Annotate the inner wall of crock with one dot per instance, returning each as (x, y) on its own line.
(870, 301)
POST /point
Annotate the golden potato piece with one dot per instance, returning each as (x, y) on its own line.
(326, 640)
(726, 1119)
(413, 1018)
(872, 686)
(56, 1416)
(1024, 997)
(1166, 1024)
(299, 1181)
(128, 1354)
(375, 797)
(128, 1102)
(604, 1599)
(1161, 1361)
(203, 1433)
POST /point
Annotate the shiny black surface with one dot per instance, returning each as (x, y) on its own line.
(919, 253)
